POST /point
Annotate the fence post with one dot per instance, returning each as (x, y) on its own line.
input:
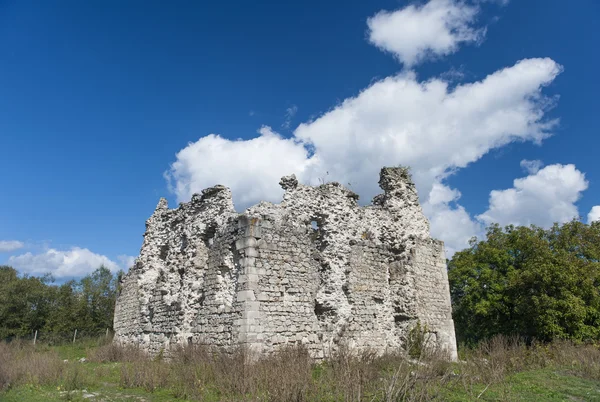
(106, 333)
(74, 336)
(35, 337)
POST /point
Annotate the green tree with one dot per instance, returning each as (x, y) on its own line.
(28, 304)
(24, 303)
(537, 283)
(98, 292)
(63, 316)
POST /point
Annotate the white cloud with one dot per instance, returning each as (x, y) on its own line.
(431, 126)
(450, 223)
(415, 33)
(531, 167)
(126, 261)
(252, 168)
(10, 245)
(397, 120)
(400, 120)
(290, 112)
(454, 75)
(541, 198)
(442, 194)
(71, 263)
(594, 214)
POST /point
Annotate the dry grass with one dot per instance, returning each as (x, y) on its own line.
(196, 372)
(113, 352)
(199, 373)
(580, 360)
(492, 361)
(21, 363)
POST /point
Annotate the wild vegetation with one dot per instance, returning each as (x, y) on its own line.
(526, 306)
(531, 282)
(500, 369)
(29, 304)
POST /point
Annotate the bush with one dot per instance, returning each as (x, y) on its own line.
(528, 281)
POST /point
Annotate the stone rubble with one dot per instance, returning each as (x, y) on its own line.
(316, 269)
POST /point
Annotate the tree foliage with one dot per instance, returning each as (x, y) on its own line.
(29, 304)
(537, 283)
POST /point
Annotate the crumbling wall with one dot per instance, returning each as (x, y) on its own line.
(316, 269)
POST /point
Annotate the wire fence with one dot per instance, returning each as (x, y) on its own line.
(60, 338)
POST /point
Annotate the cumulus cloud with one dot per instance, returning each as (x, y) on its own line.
(397, 120)
(252, 168)
(416, 33)
(433, 126)
(531, 167)
(427, 126)
(449, 220)
(594, 214)
(542, 198)
(70, 263)
(10, 245)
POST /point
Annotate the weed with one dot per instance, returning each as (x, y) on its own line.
(497, 369)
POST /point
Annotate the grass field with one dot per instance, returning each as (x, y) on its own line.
(499, 370)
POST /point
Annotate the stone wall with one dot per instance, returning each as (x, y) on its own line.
(316, 269)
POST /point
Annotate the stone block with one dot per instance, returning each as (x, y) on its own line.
(250, 314)
(247, 262)
(245, 242)
(245, 295)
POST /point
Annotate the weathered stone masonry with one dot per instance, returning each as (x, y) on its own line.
(316, 269)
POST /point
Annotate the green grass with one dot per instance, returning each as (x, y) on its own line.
(532, 385)
(97, 382)
(557, 372)
(50, 394)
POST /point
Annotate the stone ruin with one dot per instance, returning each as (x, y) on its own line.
(316, 269)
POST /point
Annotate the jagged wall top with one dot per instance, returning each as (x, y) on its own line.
(400, 195)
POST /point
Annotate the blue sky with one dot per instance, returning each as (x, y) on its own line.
(106, 106)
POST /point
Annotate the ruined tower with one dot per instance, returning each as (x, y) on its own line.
(316, 269)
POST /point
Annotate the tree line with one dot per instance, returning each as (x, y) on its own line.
(540, 284)
(536, 283)
(29, 304)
